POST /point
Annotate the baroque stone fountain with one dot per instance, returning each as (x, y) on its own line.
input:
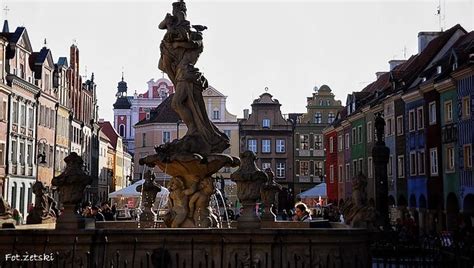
(193, 159)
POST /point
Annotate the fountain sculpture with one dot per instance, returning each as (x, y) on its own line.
(192, 159)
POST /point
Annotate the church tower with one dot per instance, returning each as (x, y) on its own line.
(122, 115)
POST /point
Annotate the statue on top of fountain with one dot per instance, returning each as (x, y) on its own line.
(193, 159)
(180, 50)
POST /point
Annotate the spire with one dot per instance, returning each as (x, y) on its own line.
(122, 76)
(45, 43)
(5, 27)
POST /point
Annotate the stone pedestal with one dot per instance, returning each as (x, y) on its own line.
(69, 220)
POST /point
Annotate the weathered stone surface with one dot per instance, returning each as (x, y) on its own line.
(44, 204)
(71, 184)
(148, 189)
(268, 194)
(249, 179)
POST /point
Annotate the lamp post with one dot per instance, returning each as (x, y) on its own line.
(40, 155)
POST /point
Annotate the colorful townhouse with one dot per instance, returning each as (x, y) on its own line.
(331, 164)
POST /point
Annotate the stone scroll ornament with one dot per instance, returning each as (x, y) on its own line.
(193, 159)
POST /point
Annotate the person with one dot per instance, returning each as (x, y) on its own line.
(96, 214)
(302, 212)
(17, 217)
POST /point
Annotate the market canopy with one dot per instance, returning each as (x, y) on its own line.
(131, 191)
(315, 192)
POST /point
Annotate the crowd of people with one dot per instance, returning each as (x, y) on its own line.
(104, 212)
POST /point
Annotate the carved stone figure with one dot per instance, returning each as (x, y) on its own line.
(249, 179)
(71, 184)
(180, 50)
(268, 195)
(6, 214)
(199, 208)
(149, 189)
(357, 213)
(193, 159)
(43, 210)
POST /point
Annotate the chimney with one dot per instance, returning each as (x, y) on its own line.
(379, 74)
(246, 113)
(395, 63)
(424, 38)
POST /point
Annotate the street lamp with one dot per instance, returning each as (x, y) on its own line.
(42, 154)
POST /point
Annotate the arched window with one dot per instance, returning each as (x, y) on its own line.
(122, 130)
(14, 189)
(22, 199)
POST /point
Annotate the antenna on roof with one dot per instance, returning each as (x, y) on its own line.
(45, 42)
(405, 52)
(440, 14)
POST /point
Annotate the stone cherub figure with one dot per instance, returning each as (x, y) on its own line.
(199, 209)
(357, 212)
(149, 189)
(43, 211)
(178, 203)
(5, 209)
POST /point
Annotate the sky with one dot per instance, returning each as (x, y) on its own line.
(287, 46)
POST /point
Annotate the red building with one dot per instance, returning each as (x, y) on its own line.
(331, 173)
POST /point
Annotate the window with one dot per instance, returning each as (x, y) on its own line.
(359, 134)
(3, 111)
(434, 161)
(15, 112)
(46, 82)
(29, 157)
(432, 113)
(318, 118)
(331, 173)
(411, 120)
(450, 158)
(280, 169)
(23, 115)
(370, 167)
(369, 131)
(389, 127)
(14, 152)
(421, 163)
(389, 166)
(331, 144)
(466, 107)
(266, 123)
(353, 136)
(348, 172)
(304, 168)
(266, 165)
(31, 118)
(339, 175)
(252, 145)
(216, 115)
(361, 165)
(280, 146)
(331, 118)
(354, 168)
(412, 163)
(318, 168)
(318, 142)
(122, 130)
(347, 141)
(420, 120)
(400, 166)
(143, 139)
(2, 154)
(22, 153)
(399, 125)
(339, 143)
(228, 133)
(21, 71)
(166, 136)
(266, 146)
(467, 153)
(448, 111)
(304, 142)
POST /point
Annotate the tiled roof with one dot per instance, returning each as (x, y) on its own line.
(62, 61)
(162, 114)
(110, 132)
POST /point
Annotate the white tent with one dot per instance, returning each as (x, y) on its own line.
(315, 192)
(131, 191)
